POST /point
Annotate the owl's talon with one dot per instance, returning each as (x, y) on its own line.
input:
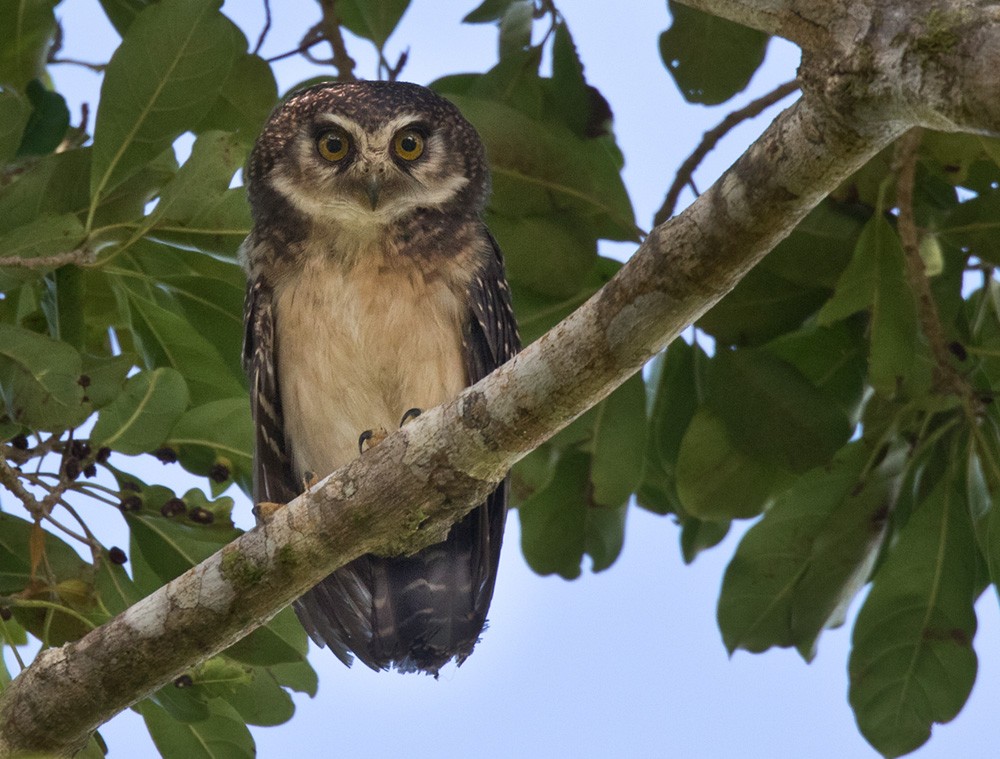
(410, 415)
(370, 438)
(265, 511)
(309, 479)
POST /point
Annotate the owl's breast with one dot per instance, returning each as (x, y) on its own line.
(356, 348)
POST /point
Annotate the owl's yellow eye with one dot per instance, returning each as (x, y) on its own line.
(409, 144)
(333, 144)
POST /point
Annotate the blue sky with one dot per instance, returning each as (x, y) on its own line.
(628, 662)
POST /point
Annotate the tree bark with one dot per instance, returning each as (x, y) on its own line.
(863, 86)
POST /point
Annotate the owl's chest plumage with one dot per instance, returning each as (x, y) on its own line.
(356, 347)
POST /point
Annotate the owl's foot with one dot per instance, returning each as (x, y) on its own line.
(370, 438)
(410, 415)
(265, 511)
(309, 479)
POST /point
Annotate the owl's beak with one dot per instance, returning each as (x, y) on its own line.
(373, 186)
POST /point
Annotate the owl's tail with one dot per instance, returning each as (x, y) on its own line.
(414, 613)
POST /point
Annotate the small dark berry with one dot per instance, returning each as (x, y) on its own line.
(84, 381)
(6, 613)
(958, 350)
(20, 442)
(166, 455)
(90, 470)
(201, 516)
(131, 486)
(218, 473)
(184, 681)
(71, 468)
(173, 507)
(103, 454)
(79, 449)
(117, 556)
(132, 503)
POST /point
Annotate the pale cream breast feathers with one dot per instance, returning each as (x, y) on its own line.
(356, 348)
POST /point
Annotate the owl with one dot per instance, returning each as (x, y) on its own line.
(374, 290)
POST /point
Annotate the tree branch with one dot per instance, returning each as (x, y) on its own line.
(79, 257)
(711, 138)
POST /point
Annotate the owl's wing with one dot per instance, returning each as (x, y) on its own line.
(272, 473)
(491, 336)
(345, 622)
(490, 339)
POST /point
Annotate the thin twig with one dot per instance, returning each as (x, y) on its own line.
(97, 68)
(946, 377)
(10, 479)
(266, 29)
(80, 256)
(711, 139)
(10, 642)
(330, 26)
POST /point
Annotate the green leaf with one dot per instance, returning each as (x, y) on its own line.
(247, 99)
(559, 523)
(796, 570)
(281, 641)
(215, 308)
(619, 444)
(48, 123)
(139, 419)
(374, 21)
(820, 248)
(47, 235)
(29, 26)
(114, 587)
(14, 114)
(219, 227)
(40, 380)
(15, 561)
(121, 13)
(573, 99)
(488, 12)
(900, 360)
(253, 693)
(762, 306)
(222, 735)
(55, 184)
(220, 432)
(206, 175)
(772, 412)
(540, 168)
(855, 290)
(674, 385)
(197, 209)
(718, 481)
(298, 676)
(698, 535)
(912, 662)
(104, 377)
(168, 339)
(975, 225)
(832, 359)
(710, 58)
(170, 547)
(570, 252)
(163, 78)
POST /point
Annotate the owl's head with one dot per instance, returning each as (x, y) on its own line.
(367, 153)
